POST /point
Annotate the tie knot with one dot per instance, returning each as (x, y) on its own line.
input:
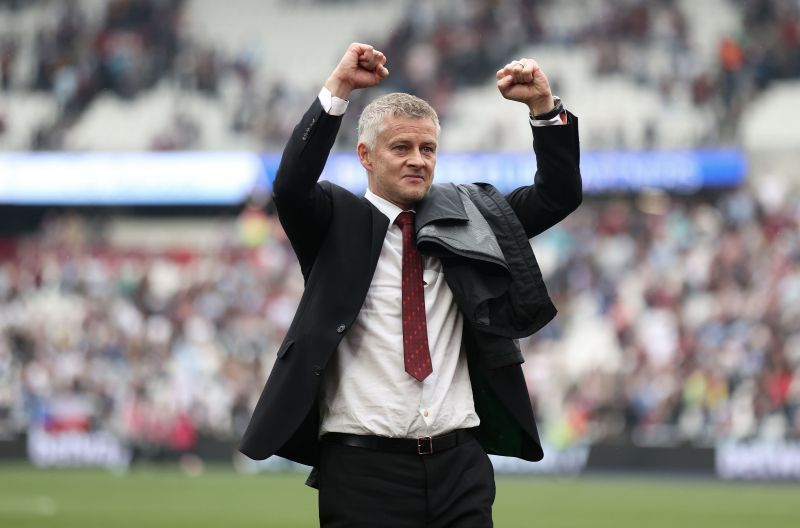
(406, 218)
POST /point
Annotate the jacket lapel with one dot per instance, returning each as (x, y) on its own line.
(379, 224)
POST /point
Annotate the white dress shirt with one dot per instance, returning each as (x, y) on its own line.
(366, 389)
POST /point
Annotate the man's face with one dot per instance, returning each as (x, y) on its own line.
(400, 167)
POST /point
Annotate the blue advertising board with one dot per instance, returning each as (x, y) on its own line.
(681, 171)
(228, 178)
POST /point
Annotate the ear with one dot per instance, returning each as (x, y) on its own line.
(364, 156)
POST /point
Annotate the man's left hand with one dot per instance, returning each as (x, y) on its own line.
(524, 81)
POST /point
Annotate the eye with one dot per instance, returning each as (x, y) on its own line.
(400, 148)
(428, 149)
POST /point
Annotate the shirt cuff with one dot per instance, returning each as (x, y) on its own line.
(332, 104)
(559, 119)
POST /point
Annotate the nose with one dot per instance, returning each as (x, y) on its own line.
(415, 159)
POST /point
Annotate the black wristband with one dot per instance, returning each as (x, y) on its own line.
(547, 116)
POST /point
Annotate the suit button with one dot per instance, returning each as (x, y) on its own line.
(317, 370)
(340, 328)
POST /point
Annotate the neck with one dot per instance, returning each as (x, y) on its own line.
(405, 206)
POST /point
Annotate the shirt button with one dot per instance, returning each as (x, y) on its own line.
(317, 370)
(340, 328)
(425, 413)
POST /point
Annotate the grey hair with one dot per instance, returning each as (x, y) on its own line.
(397, 104)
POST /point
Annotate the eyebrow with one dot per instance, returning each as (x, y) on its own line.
(402, 139)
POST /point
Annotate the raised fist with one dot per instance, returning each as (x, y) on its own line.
(522, 80)
(361, 66)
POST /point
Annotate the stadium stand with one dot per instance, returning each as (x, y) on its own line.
(183, 74)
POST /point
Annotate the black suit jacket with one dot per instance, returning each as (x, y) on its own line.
(337, 237)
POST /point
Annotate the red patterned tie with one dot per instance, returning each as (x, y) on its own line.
(415, 328)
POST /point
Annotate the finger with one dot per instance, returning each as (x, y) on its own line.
(353, 54)
(505, 83)
(510, 69)
(360, 48)
(518, 73)
(376, 65)
(382, 71)
(371, 60)
(530, 69)
(366, 58)
(524, 76)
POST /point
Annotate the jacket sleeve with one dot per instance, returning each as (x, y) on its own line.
(304, 207)
(557, 188)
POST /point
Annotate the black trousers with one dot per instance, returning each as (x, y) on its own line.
(364, 488)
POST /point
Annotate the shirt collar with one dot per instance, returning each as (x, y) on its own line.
(389, 210)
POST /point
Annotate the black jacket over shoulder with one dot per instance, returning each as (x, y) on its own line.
(337, 237)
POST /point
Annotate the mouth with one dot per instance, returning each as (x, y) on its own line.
(414, 178)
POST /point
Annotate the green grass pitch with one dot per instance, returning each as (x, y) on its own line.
(221, 498)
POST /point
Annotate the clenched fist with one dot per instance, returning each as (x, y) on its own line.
(361, 66)
(522, 80)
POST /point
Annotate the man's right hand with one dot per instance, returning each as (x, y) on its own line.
(361, 66)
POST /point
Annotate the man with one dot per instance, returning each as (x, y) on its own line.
(401, 370)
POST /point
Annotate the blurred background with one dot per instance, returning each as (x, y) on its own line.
(145, 283)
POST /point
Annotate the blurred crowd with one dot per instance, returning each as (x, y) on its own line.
(155, 346)
(125, 51)
(75, 59)
(679, 322)
(436, 48)
(628, 37)
(767, 50)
